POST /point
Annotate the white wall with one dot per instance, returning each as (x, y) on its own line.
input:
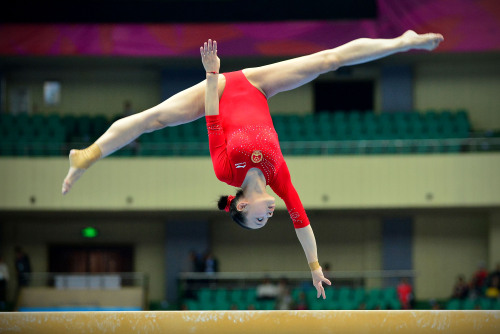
(468, 84)
(90, 90)
(445, 245)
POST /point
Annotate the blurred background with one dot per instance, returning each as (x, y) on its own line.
(397, 161)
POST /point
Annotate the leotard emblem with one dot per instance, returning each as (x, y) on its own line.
(256, 157)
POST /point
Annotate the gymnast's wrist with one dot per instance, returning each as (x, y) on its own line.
(314, 265)
(212, 73)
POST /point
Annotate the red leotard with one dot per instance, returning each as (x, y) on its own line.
(242, 136)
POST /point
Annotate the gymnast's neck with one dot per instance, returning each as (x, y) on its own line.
(254, 183)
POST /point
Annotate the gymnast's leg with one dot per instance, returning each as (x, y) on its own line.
(290, 74)
(181, 108)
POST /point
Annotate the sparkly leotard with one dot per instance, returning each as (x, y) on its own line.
(242, 136)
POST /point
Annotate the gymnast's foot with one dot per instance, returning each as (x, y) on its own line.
(422, 42)
(79, 161)
(73, 175)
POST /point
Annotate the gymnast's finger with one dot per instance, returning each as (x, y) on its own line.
(318, 289)
(215, 47)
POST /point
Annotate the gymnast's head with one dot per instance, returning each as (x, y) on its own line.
(250, 213)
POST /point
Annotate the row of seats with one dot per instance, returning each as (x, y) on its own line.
(355, 125)
(473, 304)
(325, 132)
(342, 298)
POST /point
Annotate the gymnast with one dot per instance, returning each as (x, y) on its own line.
(243, 144)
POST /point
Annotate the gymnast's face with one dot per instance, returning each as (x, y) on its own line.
(258, 211)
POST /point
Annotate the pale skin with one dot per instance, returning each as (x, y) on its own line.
(191, 104)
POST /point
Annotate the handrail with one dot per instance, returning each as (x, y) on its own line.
(317, 147)
(87, 280)
(296, 275)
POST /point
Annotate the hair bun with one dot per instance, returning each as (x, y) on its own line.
(221, 204)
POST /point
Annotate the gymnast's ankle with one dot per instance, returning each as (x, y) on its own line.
(83, 159)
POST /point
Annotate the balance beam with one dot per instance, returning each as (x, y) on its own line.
(236, 322)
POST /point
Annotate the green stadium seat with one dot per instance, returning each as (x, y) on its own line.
(375, 294)
(21, 120)
(359, 295)
(221, 295)
(83, 126)
(69, 123)
(238, 305)
(251, 295)
(318, 304)
(99, 125)
(21, 147)
(387, 131)
(38, 120)
(54, 119)
(205, 305)
(221, 305)
(148, 149)
(54, 148)
(354, 116)
(7, 120)
(348, 305)
(454, 304)
(339, 116)
(192, 305)
(237, 295)
(205, 294)
(469, 304)
(485, 303)
(340, 131)
(295, 293)
(390, 296)
(355, 132)
(266, 305)
(6, 148)
(345, 294)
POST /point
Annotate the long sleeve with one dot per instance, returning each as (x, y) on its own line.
(283, 187)
(218, 152)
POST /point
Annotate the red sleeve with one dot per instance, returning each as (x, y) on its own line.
(283, 187)
(218, 152)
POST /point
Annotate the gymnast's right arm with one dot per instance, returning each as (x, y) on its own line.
(216, 137)
(212, 64)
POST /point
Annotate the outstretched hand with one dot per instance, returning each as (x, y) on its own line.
(318, 279)
(209, 56)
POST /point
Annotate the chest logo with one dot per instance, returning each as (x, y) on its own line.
(256, 157)
(240, 165)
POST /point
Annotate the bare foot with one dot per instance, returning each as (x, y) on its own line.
(422, 42)
(73, 174)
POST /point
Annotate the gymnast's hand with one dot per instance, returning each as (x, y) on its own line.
(318, 279)
(209, 57)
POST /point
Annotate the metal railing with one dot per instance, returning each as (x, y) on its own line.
(196, 280)
(87, 280)
(335, 147)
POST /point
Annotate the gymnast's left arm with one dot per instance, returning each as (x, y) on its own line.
(308, 242)
(283, 187)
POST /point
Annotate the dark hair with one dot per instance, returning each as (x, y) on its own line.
(236, 215)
